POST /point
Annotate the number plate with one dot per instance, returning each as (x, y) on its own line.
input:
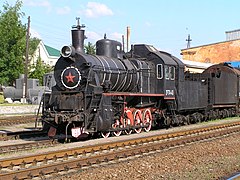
(76, 132)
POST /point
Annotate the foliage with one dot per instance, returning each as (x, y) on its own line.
(39, 70)
(33, 43)
(90, 48)
(13, 43)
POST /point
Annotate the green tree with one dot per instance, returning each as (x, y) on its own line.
(39, 70)
(33, 43)
(13, 43)
(90, 48)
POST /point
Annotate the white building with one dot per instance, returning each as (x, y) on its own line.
(47, 54)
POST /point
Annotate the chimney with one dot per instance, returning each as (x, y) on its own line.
(128, 37)
(78, 37)
(123, 47)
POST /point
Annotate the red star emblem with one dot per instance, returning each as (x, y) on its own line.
(70, 78)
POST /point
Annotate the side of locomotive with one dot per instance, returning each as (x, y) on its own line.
(118, 92)
(92, 91)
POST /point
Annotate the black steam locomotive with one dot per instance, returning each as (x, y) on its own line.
(116, 92)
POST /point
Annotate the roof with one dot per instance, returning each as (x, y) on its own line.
(209, 44)
(195, 64)
(52, 51)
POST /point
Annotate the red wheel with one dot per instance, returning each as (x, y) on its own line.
(137, 116)
(128, 119)
(117, 124)
(147, 120)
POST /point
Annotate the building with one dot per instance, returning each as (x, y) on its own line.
(225, 51)
(47, 54)
(195, 67)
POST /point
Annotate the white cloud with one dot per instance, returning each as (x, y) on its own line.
(95, 9)
(93, 36)
(38, 3)
(34, 33)
(63, 10)
(116, 36)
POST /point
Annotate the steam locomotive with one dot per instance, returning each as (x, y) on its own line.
(114, 92)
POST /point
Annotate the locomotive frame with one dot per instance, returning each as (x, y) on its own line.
(118, 92)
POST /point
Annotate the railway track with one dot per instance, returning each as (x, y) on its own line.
(34, 139)
(28, 146)
(40, 165)
(21, 134)
(12, 120)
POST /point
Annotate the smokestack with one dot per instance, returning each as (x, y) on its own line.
(128, 37)
(78, 37)
(123, 47)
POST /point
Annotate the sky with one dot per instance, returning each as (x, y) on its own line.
(165, 24)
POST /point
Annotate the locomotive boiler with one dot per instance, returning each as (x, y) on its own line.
(117, 92)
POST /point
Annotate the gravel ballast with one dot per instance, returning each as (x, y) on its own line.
(212, 159)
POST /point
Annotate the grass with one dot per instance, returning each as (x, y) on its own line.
(14, 104)
(217, 120)
(1, 98)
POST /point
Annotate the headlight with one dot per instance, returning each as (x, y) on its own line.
(68, 51)
(70, 77)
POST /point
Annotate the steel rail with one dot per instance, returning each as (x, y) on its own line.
(106, 146)
(72, 160)
(44, 142)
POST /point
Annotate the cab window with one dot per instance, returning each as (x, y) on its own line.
(166, 72)
(159, 71)
(169, 72)
(172, 72)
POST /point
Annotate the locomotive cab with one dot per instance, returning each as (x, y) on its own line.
(164, 68)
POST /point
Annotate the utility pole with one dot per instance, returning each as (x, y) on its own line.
(188, 41)
(25, 89)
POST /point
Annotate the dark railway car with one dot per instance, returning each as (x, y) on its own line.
(223, 89)
(118, 92)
